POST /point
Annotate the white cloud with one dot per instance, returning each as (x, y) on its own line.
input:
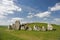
(27, 22)
(8, 7)
(45, 19)
(29, 13)
(43, 14)
(19, 9)
(24, 22)
(3, 23)
(56, 7)
(57, 19)
(16, 18)
(30, 16)
(1, 16)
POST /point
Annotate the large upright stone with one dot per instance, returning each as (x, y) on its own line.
(29, 28)
(49, 27)
(9, 27)
(17, 25)
(43, 28)
(22, 27)
(13, 26)
(36, 28)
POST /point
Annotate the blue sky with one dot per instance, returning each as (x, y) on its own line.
(46, 11)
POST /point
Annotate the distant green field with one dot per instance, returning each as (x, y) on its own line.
(6, 34)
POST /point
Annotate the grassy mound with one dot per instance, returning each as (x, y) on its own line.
(6, 34)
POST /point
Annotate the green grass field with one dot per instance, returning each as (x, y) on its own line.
(6, 34)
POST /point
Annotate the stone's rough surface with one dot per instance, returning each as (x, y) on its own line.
(9, 27)
(36, 28)
(29, 28)
(18, 26)
(26, 28)
(13, 26)
(22, 27)
(43, 28)
(49, 27)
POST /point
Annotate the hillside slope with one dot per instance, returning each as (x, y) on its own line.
(6, 34)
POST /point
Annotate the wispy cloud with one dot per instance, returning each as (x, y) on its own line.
(57, 19)
(16, 18)
(8, 7)
(43, 14)
(2, 16)
(56, 7)
(28, 13)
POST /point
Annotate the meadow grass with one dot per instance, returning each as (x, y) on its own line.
(6, 34)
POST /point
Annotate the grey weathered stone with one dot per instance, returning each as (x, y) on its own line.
(29, 28)
(17, 25)
(13, 26)
(36, 28)
(49, 27)
(26, 28)
(22, 28)
(9, 27)
(43, 28)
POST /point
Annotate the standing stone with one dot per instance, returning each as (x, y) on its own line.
(9, 27)
(29, 28)
(17, 25)
(13, 26)
(43, 28)
(50, 27)
(36, 28)
(26, 28)
(22, 27)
